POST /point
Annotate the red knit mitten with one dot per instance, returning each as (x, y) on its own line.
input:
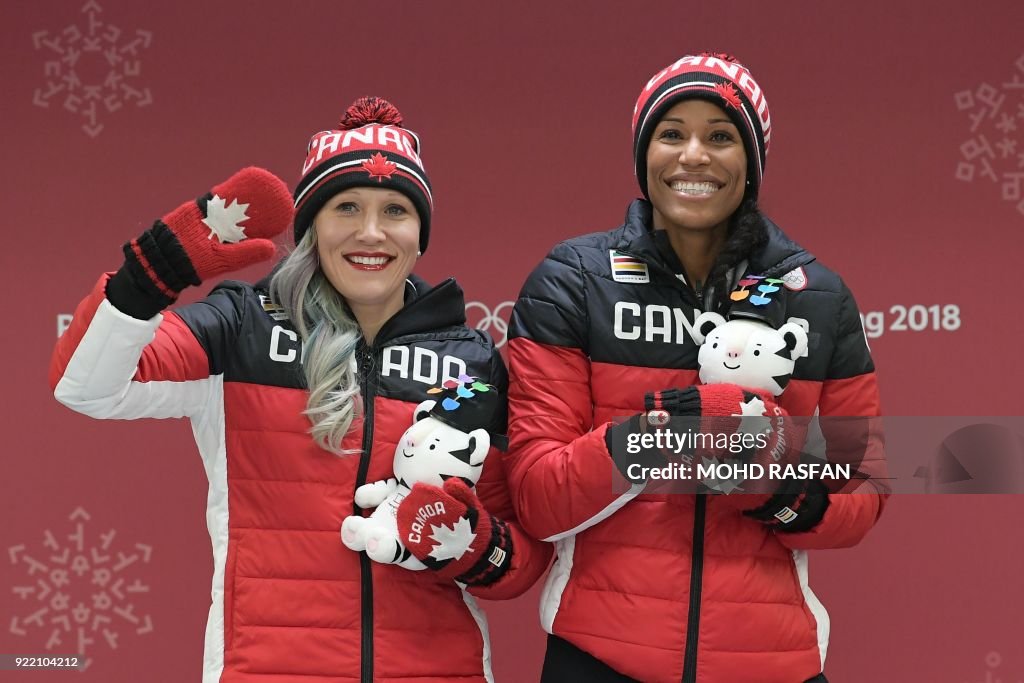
(225, 230)
(449, 531)
(723, 410)
(789, 505)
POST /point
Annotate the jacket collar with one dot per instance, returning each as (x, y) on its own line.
(638, 237)
(780, 255)
(426, 308)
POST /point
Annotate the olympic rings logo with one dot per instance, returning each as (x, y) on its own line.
(495, 322)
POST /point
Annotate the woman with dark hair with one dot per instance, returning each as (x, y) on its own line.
(298, 389)
(656, 586)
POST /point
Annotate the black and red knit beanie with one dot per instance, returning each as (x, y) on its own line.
(717, 78)
(370, 148)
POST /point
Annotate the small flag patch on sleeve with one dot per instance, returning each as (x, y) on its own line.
(785, 515)
(626, 268)
(272, 309)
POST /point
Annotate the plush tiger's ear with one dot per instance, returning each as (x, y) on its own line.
(795, 338)
(479, 443)
(423, 410)
(475, 451)
(705, 324)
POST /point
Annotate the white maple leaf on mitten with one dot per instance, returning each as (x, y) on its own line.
(752, 417)
(754, 406)
(452, 542)
(223, 221)
(721, 484)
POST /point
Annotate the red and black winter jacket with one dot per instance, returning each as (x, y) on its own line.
(670, 587)
(291, 604)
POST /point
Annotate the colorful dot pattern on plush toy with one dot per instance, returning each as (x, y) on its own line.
(462, 391)
(743, 293)
(765, 288)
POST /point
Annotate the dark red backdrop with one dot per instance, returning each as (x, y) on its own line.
(894, 159)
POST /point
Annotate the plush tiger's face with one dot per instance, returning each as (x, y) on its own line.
(750, 354)
(431, 451)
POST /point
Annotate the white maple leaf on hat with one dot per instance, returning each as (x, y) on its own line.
(452, 542)
(223, 221)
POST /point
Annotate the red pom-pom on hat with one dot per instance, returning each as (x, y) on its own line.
(369, 148)
(367, 110)
(724, 56)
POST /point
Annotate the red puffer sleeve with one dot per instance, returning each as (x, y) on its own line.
(110, 365)
(561, 474)
(530, 557)
(849, 391)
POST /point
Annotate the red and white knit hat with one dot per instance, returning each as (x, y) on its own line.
(370, 148)
(717, 78)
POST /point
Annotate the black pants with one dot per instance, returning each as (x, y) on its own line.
(566, 663)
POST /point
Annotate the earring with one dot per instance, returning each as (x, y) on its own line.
(419, 253)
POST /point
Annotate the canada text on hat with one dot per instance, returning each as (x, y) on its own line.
(329, 142)
(734, 71)
(369, 148)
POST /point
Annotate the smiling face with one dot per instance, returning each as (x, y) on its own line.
(367, 241)
(696, 168)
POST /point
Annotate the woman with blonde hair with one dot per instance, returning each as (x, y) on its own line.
(298, 389)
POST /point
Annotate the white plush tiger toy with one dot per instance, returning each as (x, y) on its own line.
(751, 353)
(747, 351)
(443, 442)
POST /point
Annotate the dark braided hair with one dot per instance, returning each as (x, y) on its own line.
(746, 236)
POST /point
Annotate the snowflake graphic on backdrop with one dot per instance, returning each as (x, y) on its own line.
(993, 660)
(80, 590)
(996, 115)
(92, 69)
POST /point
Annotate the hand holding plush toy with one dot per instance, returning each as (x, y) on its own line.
(745, 363)
(428, 515)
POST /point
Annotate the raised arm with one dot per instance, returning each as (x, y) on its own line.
(121, 358)
(849, 391)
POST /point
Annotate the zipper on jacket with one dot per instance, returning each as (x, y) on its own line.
(691, 297)
(365, 358)
(696, 582)
(708, 298)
